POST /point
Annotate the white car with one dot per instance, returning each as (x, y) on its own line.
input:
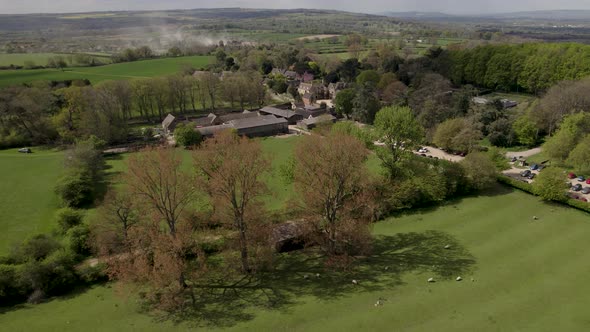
(423, 150)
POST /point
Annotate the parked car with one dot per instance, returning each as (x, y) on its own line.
(584, 199)
(534, 167)
(24, 150)
(525, 173)
(531, 176)
(513, 159)
(540, 168)
(581, 179)
(588, 181)
(577, 187)
(423, 150)
(423, 154)
(586, 190)
(571, 176)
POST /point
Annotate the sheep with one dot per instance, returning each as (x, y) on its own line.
(355, 282)
(430, 279)
(317, 275)
(459, 278)
(448, 246)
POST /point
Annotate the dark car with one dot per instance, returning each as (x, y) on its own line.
(540, 168)
(531, 176)
(577, 187)
(24, 150)
(526, 173)
(581, 179)
(513, 159)
(586, 190)
(534, 167)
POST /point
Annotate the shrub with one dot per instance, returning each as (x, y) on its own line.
(78, 240)
(54, 275)
(9, 285)
(75, 189)
(67, 218)
(37, 248)
(187, 136)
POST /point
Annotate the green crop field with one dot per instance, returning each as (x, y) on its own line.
(128, 70)
(18, 59)
(27, 200)
(518, 275)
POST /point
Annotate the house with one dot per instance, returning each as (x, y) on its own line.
(169, 124)
(264, 125)
(291, 75)
(289, 115)
(306, 77)
(312, 122)
(304, 88)
(334, 88)
(308, 99)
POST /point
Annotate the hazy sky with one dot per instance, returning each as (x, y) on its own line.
(367, 6)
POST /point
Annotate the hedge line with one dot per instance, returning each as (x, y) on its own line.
(528, 188)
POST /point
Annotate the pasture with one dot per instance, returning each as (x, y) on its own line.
(27, 200)
(527, 276)
(118, 71)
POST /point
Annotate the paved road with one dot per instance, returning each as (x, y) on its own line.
(524, 154)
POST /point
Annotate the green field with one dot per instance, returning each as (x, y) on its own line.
(528, 276)
(128, 70)
(27, 200)
(40, 59)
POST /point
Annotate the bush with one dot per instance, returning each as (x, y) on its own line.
(75, 189)
(187, 136)
(54, 275)
(36, 248)
(78, 240)
(9, 286)
(67, 218)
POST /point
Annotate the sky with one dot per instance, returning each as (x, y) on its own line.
(366, 6)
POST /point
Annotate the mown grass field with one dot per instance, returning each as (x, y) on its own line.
(527, 276)
(128, 70)
(27, 200)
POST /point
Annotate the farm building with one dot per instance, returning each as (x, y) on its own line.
(264, 125)
(289, 115)
(334, 88)
(312, 122)
(205, 121)
(310, 111)
(235, 116)
(169, 124)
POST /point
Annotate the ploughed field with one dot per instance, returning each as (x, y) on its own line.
(518, 274)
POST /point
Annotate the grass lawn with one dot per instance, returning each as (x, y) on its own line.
(118, 71)
(27, 200)
(528, 276)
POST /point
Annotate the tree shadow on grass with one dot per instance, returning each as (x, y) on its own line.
(296, 275)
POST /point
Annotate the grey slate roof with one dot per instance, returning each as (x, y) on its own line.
(259, 121)
(278, 112)
(319, 119)
(168, 120)
(235, 116)
(211, 130)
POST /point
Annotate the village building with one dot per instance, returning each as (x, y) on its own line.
(334, 88)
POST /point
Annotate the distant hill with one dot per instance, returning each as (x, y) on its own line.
(553, 15)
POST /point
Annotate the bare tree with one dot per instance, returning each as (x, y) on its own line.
(329, 176)
(156, 178)
(231, 170)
